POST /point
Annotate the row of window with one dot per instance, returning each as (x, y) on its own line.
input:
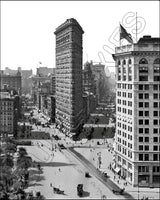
(124, 102)
(146, 122)
(146, 168)
(124, 94)
(142, 70)
(141, 78)
(145, 78)
(125, 134)
(146, 104)
(145, 157)
(124, 86)
(146, 139)
(124, 78)
(146, 96)
(156, 69)
(124, 142)
(6, 126)
(146, 113)
(6, 118)
(146, 148)
(146, 130)
(2, 113)
(6, 104)
(146, 87)
(142, 61)
(124, 71)
(5, 108)
(124, 110)
(124, 126)
(124, 151)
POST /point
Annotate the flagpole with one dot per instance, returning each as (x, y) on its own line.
(136, 27)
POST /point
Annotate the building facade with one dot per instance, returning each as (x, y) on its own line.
(37, 82)
(69, 100)
(89, 82)
(12, 82)
(26, 84)
(138, 112)
(6, 114)
(44, 71)
(53, 83)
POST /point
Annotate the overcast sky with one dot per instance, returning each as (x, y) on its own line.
(27, 28)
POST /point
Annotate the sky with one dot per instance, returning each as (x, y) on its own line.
(27, 29)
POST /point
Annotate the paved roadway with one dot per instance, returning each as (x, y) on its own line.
(92, 169)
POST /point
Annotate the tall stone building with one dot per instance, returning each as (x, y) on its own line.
(6, 114)
(138, 112)
(69, 101)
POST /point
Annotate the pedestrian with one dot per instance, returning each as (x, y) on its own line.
(50, 184)
(118, 181)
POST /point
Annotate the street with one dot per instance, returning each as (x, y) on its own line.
(65, 169)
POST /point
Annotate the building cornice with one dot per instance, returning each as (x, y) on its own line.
(67, 23)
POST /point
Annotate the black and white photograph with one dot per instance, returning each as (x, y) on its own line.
(80, 100)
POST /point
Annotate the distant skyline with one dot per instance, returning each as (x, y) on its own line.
(27, 29)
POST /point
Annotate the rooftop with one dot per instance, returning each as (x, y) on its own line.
(147, 39)
(68, 22)
(147, 43)
(5, 96)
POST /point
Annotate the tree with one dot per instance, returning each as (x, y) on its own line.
(7, 161)
(6, 176)
(24, 162)
(22, 152)
(10, 148)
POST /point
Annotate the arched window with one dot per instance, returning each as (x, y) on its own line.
(143, 61)
(157, 61)
(119, 62)
(157, 65)
(124, 62)
(129, 61)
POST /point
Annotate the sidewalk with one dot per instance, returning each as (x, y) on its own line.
(107, 156)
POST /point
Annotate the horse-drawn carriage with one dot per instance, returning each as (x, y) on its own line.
(80, 190)
(58, 191)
